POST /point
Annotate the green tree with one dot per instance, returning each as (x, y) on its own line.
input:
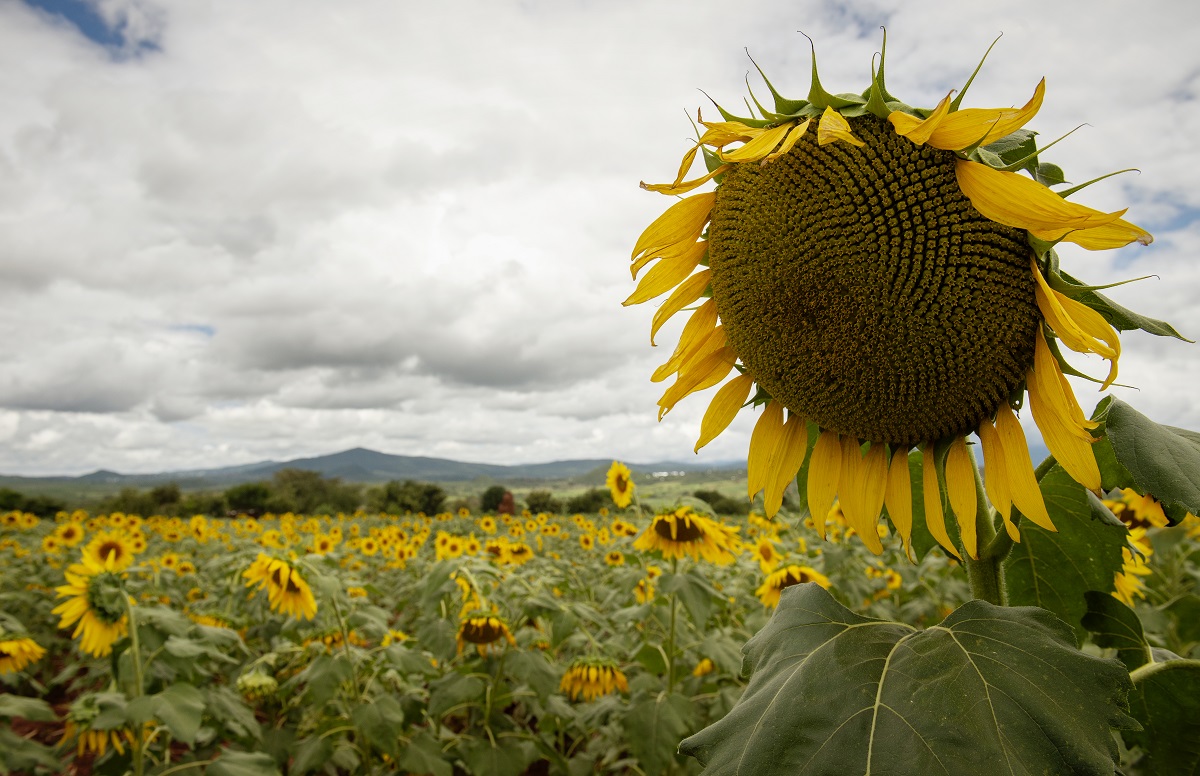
(590, 502)
(491, 498)
(397, 497)
(309, 492)
(250, 497)
(542, 501)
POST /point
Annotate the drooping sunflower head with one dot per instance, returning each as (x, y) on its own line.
(620, 484)
(591, 677)
(681, 531)
(18, 652)
(485, 631)
(774, 584)
(880, 280)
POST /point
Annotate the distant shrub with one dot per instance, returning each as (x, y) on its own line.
(491, 498)
(722, 504)
(590, 501)
(543, 501)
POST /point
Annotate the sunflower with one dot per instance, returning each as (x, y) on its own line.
(97, 602)
(590, 678)
(1137, 511)
(614, 558)
(704, 667)
(485, 632)
(882, 280)
(680, 531)
(16, 653)
(767, 554)
(287, 592)
(620, 484)
(70, 534)
(110, 545)
(644, 591)
(770, 589)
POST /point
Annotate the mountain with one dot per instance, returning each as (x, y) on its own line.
(362, 465)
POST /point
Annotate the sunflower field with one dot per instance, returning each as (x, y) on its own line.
(476, 644)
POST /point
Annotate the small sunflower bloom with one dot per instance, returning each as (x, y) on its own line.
(620, 484)
(614, 558)
(486, 632)
(681, 532)
(591, 678)
(16, 653)
(881, 282)
(287, 591)
(704, 667)
(770, 589)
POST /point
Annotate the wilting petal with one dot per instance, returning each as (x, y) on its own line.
(1022, 485)
(764, 441)
(703, 373)
(995, 479)
(980, 126)
(759, 147)
(1017, 201)
(898, 497)
(934, 520)
(683, 187)
(724, 408)
(789, 142)
(833, 127)
(824, 471)
(668, 274)
(682, 223)
(1100, 238)
(1056, 392)
(1073, 454)
(786, 461)
(960, 487)
(687, 292)
(918, 130)
(1080, 328)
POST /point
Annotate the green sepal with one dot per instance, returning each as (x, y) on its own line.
(1049, 174)
(767, 114)
(1065, 366)
(783, 105)
(1054, 277)
(1015, 148)
(1068, 192)
(1121, 318)
(750, 122)
(1031, 164)
(963, 92)
(879, 82)
(819, 98)
(877, 96)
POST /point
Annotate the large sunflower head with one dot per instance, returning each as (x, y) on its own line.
(880, 280)
(591, 677)
(96, 604)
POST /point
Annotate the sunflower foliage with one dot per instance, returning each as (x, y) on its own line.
(882, 285)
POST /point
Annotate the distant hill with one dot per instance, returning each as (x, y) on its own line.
(359, 465)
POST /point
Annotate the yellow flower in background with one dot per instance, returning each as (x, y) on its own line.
(644, 591)
(614, 558)
(70, 534)
(1137, 511)
(96, 604)
(287, 592)
(770, 589)
(620, 484)
(16, 653)
(704, 667)
(681, 532)
(109, 546)
(590, 678)
(766, 554)
(878, 281)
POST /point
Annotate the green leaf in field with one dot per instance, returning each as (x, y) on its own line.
(695, 593)
(32, 709)
(235, 763)
(324, 676)
(228, 708)
(505, 759)
(654, 728)
(380, 721)
(453, 690)
(989, 691)
(533, 669)
(440, 638)
(652, 657)
(1185, 611)
(1054, 570)
(1115, 625)
(1162, 461)
(20, 755)
(180, 707)
(1166, 700)
(311, 754)
(423, 755)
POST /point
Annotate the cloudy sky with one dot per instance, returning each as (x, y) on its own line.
(233, 231)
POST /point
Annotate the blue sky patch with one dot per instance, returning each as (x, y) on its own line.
(84, 17)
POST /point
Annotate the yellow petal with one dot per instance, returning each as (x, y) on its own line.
(789, 142)
(862, 486)
(980, 126)
(1018, 469)
(918, 130)
(764, 440)
(960, 487)
(785, 463)
(1100, 238)
(701, 374)
(995, 478)
(1073, 454)
(724, 408)
(1055, 391)
(719, 134)
(833, 127)
(681, 224)
(898, 497)
(687, 292)
(1021, 202)
(824, 471)
(934, 520)
(699, 327)
(683, 187)
(667, 274)
(760, 146)
(1080, 328)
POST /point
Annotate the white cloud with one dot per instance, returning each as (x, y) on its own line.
(274, 229)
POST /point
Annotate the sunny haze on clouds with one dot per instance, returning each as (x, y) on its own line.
(247, 230)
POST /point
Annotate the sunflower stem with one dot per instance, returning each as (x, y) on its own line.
(139, 688)
(671, 633)
(986, 574)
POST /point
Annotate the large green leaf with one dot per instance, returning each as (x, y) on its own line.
(380, 722)
(990, 690)
(1115, 625)
(32, 709)
(1166, 701)
(1053, 570)
(423, 755)
(235, 763)
(653, 728)
(1162, 461)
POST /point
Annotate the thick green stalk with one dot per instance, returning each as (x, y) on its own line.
(139, 686)
(671, 634)
(985, 574)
